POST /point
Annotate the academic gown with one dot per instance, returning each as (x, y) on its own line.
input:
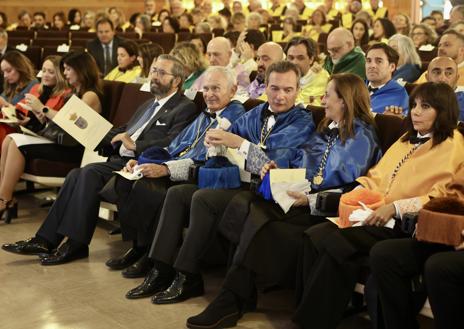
(353, 62)
(140, 202)
(392, 93)
(275, 263)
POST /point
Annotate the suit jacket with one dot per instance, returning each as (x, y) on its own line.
(167, 123)
(95, 48)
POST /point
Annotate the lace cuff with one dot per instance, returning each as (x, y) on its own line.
(407, 205)
(179, 169)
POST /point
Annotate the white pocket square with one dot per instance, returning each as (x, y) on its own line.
(160, 123)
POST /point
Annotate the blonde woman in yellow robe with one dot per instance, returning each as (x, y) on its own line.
(128, 69)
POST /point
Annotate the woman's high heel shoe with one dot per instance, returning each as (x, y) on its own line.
(10, 211)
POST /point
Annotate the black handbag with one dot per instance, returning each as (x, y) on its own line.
(56, 134)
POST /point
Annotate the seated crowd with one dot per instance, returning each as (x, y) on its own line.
(189, 197)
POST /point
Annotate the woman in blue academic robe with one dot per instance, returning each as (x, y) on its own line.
(343, 148)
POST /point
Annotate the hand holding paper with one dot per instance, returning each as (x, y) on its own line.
(383, 216)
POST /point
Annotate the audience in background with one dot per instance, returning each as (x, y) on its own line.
(59, 22)
(383, 29)
(148, 52)
(360, 31)
(402, 24)
(194, 66)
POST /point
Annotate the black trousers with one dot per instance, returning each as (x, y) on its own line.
(200, 210)
(330, 282)
(139, 207)
(395, 263)
(74, 213)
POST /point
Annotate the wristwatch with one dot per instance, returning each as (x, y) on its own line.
(45, 110)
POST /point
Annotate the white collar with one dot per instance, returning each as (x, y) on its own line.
(164, 100)
(430, 135)
(333, 125)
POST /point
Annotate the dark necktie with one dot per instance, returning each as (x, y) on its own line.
(267, 113)
(107, 59)
(418, 140)
(143, 118)
(372, 89)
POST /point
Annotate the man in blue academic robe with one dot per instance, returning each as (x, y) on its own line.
(387, 96)
(271, 129)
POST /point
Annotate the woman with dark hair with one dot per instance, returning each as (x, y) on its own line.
(170, 25)
(128, 69)
(148, 52)
(74, 19)
(38, 107)
(59, 21)
(360, 31)
(185, 22)
(268, 238)
(383, 29)
(418, 167)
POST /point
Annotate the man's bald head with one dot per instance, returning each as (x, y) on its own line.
(219, 51)
(339, 43)
(443, 69)
(268, 53)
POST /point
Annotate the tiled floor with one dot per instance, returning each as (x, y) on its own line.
(85, 294)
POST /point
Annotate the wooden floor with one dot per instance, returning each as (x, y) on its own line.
(85, 294)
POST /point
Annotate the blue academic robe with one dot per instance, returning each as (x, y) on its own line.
(345, 162)
(390, 94)
(187, 136)
(291, 129)
(460, 97)
(407, 72)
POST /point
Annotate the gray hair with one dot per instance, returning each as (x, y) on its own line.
(406, 49)
(257, 16)
(226, 72)
(177, 67)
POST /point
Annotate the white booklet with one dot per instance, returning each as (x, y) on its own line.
(82, 122)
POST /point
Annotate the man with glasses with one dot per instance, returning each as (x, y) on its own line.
(74, 213)
(344, 57)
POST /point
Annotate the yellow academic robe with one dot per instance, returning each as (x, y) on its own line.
(424, 175)
(277, 11)
(313, 33)
(332, 14)
(128, 76)
(312, 87)
(380, 13)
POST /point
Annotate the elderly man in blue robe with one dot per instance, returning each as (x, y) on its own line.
(272, 129)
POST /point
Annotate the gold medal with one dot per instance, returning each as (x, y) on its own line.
(317, 180)
(262, 146)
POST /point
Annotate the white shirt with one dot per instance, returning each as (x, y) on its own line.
(123, 151)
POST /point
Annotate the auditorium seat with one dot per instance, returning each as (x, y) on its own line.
(34, 54)
(79, 42)
(52, 34)
(165, 40)
(410, 87)
(131, 99)
(44, 42)
(199, 101)
(218, 32)
(29, 34)
(53, 50)
(112, 92)
(129, 35)
(13, 42)
(83, 35)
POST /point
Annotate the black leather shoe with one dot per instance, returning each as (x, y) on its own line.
(64, 254)
(31, 246)
(223, 312)
(139, 269)
(154, 282)
(182, 288)
(126, 260)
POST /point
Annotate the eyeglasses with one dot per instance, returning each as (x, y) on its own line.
(160, 72)
(418, 33)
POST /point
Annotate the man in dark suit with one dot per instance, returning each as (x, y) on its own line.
(104, 48)
(74, 214)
